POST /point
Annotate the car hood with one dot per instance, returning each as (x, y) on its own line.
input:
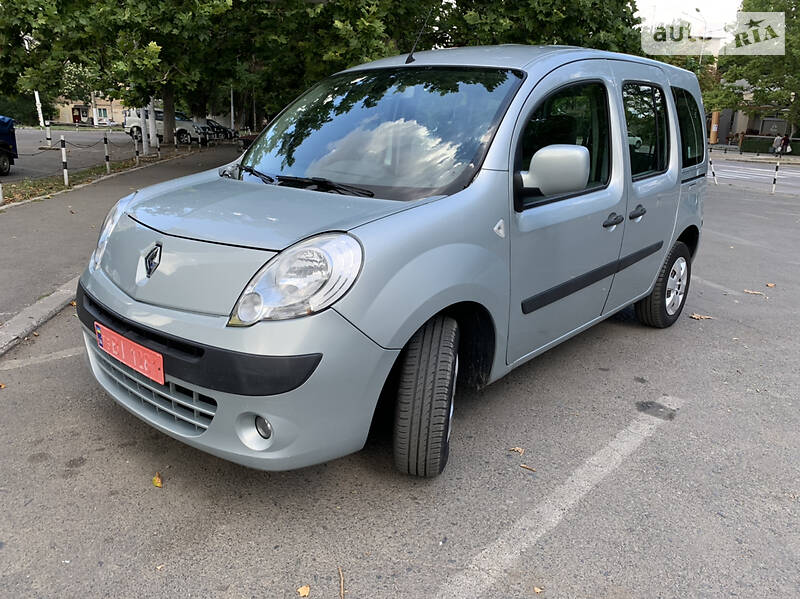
(207, 207)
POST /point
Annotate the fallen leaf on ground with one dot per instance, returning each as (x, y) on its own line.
(519, 450)
(527, 467)
(751, 292)
(161, 567)
(73, 303)
(770, 284)
(304, 590)
(2, 386)
(537, 590)
(157, 482)
(36, 333)
(701, 317)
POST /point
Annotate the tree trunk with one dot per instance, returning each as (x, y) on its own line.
(168, 96)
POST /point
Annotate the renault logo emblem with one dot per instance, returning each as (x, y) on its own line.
(152, 260)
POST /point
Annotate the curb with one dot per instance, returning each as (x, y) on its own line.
(34, 316)
(93, 181)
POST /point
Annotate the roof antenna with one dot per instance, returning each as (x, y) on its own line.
(410, 57)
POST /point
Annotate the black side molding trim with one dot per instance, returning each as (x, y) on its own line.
(204, 365)
(695, 178)
(638, 255)
(540, 300)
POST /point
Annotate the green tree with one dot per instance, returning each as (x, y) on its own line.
(194, 51)
(773, 80)
(602, 24)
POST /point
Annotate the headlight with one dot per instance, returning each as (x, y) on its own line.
(108, 226)
(301, 280)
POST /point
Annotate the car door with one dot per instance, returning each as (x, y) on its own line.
(564, 247)
(652, 171)
(692, 145)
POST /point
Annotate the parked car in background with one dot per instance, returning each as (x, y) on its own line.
(635, 141)
(184, 127)
(399, 231)
(221, 130)
(8, 144)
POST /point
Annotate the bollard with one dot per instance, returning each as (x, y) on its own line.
(136, 148)
(175, 141)
(64, 161)
(774, 177)
(158, 147)
(49, 137)
(1, 194)
(713, 174)
(105, 147)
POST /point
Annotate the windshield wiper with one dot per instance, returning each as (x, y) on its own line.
(323, 184)
(263, 176)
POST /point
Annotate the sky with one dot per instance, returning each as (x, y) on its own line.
(713, 13)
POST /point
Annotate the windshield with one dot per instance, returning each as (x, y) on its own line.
(402, 133)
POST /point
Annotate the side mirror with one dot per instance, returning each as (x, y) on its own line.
(558, 168)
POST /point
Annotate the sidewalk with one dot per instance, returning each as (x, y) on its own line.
(46, 243)
(718, 152)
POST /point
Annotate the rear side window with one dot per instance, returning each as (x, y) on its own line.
(575, 115)
(692, 146)
(646, 117)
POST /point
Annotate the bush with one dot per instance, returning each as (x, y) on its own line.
(755, 144)
(23, 108)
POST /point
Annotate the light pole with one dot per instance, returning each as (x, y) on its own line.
(28, 43)
(705, 31)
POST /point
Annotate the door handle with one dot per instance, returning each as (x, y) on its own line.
(613, 220)
(637, 212)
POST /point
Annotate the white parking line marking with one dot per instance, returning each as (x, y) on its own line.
(22, 363)
(489, 566)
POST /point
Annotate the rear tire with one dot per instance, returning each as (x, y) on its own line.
(5, 164)
(184, 138)
(424, 407)
(664, 305)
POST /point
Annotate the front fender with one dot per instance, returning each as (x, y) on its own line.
(422, 260)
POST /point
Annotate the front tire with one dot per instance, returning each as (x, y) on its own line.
(664, 305)
(136, 133)
(424, 408)
(5, 164)
(184, 138)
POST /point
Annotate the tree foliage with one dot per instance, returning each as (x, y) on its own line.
(191, 52)
(774, 81)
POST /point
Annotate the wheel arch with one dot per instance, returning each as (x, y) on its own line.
(691, 237)
(477, 348)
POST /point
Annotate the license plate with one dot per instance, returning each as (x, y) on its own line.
(142, 360)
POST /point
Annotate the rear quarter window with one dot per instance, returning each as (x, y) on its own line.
(691, 127)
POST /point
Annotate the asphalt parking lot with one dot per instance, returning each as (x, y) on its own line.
(84, 149)
(695, 495)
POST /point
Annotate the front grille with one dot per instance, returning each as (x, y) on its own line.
(172, 406)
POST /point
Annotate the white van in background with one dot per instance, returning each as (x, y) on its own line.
(184, 127)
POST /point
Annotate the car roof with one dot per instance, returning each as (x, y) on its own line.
(511, 56)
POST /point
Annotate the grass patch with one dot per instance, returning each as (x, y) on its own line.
(27, 189)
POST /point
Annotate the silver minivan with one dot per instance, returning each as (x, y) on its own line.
(405, 228)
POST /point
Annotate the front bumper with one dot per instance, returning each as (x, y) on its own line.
(321, 379)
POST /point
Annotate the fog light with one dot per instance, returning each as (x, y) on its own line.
(263, 427)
